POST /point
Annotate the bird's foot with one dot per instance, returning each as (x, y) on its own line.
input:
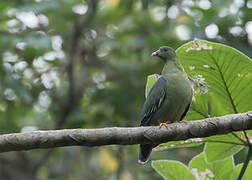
(183, 121)
(163, 124)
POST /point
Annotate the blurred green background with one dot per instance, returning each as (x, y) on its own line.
(83, 64)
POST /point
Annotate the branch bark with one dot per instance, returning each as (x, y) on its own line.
(126, 135)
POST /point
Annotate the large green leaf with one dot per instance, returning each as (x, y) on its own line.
(172, 170)
(227, 72)
(151, 80)
(216, 151)
(217, 170)
(247, 174)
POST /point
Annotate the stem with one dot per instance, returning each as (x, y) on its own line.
(246, 136)
(244, 142)
(245, 165)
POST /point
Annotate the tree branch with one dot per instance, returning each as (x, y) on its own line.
(126, 135)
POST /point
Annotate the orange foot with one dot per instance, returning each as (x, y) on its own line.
(183, 121)
(163, 124)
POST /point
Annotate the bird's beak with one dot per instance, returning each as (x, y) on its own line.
(156, 53)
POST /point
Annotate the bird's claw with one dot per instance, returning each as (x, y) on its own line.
(163, 124)
(183, 121)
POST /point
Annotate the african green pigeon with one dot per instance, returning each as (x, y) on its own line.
(168, 100)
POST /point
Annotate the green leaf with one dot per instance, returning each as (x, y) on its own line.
(223, 169)
(217, 170)
(151, 80)
(180, 144)
(200, 162)
(237, 170)
(172, 170)
(216, 151)
(249, 132)
(227, 72)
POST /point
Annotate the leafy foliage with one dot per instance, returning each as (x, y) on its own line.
(172, 170)
(237, 170)
(151, 79)
(217, 151)
(217, 170)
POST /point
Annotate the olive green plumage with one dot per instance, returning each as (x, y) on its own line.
(169, 99)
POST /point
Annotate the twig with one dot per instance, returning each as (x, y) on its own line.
(246, 136)
(239, 138)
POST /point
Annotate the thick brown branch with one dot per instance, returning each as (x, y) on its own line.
(126, 136)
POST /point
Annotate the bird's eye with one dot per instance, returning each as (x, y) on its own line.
(165, 49)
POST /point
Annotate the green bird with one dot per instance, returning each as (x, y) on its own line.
(168, 100)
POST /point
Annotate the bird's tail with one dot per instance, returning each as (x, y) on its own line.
(144, 152)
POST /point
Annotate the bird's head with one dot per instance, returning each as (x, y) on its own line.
(165, 53)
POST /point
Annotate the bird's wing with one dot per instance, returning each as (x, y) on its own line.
(187, 107)
(185, 112)
(154, 100)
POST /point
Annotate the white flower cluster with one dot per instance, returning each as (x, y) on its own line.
(197, 46)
